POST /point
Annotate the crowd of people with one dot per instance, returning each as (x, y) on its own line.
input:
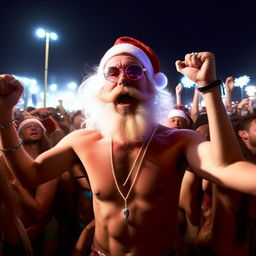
(134, 172)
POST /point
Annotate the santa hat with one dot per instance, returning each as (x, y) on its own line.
(27, 120)
(143, 53)
(180, 113)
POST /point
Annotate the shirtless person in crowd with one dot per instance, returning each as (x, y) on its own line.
(135, 165)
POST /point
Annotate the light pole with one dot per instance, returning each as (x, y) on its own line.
(48, 35)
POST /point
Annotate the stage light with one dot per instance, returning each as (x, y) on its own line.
(250, 91)
(186, 82)
(242, 81)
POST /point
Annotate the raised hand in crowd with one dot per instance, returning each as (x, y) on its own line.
(229, 86)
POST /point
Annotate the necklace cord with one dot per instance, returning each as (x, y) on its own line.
(134, 164)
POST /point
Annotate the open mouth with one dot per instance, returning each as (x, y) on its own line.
(124, 99)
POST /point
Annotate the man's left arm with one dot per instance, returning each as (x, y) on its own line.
(223, 150)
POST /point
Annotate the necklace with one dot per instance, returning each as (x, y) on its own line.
(141, 153)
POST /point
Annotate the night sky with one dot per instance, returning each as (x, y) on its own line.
(86, 29)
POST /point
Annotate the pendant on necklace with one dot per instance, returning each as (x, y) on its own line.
(126, 215)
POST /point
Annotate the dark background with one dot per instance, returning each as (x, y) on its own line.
(86, 29)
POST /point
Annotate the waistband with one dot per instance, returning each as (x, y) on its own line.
(96, 252)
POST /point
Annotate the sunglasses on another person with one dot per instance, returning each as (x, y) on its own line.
(133, 72)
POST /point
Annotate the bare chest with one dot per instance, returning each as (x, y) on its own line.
(154, 172)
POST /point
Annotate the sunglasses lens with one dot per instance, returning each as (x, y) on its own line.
(134, 72)
(111, 73)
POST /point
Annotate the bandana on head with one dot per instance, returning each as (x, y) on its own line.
(143, 53)
(30, 120)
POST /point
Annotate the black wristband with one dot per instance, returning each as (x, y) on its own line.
(209, 86)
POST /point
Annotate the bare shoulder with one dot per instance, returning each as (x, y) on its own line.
(79, 136)
(178, 134)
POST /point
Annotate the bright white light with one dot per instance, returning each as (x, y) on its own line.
(242, 81)
(41, 95)
(53, 36)
(33, 87)
(33, 82)
(40, 32)
(72, 86)
(250, 90)
(25, 81)
(187, 83)
(53, 87)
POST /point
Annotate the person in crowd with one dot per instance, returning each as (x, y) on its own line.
(245, 107)
(75, 199)
(178, 93)
(51, 119)
(219, 207)
(37, 203)
(134, 165)
(84, 212)
(245, 131)
(242, 108)
(13, 236)
(74, 188)
(196, 110)
(229, 87)
(76, 120)
(178, 117)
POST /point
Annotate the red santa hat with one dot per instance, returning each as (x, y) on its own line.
(27, 120)
(143, 53)
(180, 113)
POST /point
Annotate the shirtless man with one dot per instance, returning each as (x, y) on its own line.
(136, 206)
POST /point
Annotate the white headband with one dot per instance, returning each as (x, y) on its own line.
(30, 120)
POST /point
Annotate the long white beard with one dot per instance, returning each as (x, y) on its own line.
(98, 115)
(131, 127)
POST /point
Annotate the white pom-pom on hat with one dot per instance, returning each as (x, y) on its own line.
(160, 80)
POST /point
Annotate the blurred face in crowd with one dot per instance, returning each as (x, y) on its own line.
(31, 132)
(176, 122)
(249, 135)
(77, 121)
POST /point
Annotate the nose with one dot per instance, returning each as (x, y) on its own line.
(122, 79)
(34, 127)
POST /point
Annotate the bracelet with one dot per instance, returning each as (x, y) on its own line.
(209, 86)
(13, 148)
(5, 125)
